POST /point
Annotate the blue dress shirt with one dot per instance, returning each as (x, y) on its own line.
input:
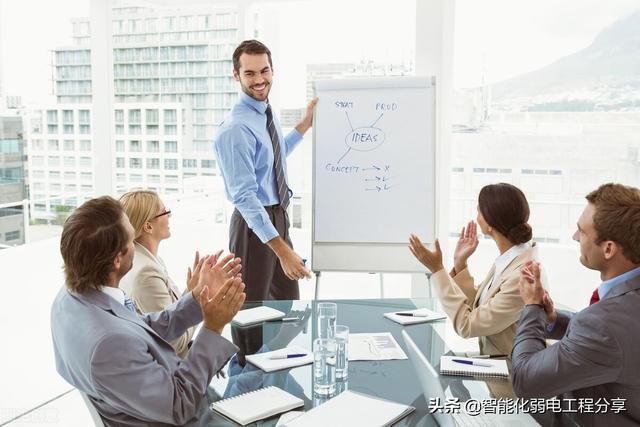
(606, 286)
(245, 155)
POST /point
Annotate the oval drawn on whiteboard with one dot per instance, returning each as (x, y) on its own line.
(364, 138)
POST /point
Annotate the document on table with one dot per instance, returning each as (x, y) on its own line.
(377, 346)
(265, 362)
(420, 315)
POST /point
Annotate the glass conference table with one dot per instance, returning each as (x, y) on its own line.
(393, 380)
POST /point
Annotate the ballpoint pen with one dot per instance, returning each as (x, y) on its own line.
(284, 319)
(413, 314)
(473, 362)
(286, 356)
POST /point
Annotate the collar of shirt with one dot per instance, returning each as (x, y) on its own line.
(115, 293)
(512, 253)
(606, 286)
(259, 106)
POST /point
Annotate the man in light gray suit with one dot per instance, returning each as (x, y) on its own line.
(123, 361)
(598, 356)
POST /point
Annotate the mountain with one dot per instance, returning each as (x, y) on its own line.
(605, 76)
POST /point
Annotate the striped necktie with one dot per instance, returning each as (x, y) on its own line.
(128, 303)
(283, 189)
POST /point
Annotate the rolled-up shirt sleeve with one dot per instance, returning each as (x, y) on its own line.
(235, 149)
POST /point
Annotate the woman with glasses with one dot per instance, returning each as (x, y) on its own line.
(147, 283)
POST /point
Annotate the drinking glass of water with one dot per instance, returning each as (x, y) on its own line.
(326, 318)
(324, 366)
(342, 352)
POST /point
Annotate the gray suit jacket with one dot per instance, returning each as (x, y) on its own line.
(598, 355)
(124, 363)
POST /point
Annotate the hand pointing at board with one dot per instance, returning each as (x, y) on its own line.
(307, 121)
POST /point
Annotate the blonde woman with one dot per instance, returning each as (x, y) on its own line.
(147, 283)
(489, 310)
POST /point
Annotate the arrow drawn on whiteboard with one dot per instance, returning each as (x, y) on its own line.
(386, 187)
(377, 178)
(373, 189)
(374, 167)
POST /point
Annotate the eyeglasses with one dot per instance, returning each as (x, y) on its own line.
(166, 212)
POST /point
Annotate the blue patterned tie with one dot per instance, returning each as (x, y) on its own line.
(283, 189)
(128, 302)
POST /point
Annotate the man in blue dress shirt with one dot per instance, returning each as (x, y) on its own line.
(598, 353)
(252, 152)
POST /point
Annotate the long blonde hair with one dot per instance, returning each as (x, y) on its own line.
(140, 206)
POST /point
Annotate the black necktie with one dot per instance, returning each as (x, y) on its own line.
(283, 190)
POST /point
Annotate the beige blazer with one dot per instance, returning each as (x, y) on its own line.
(494, 321)
(148, 284)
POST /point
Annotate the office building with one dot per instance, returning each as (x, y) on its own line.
(13, 187)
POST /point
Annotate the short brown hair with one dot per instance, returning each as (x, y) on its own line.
(250, 47)
(140, 206)
(92, 237)
(505, 208)
(617, 217)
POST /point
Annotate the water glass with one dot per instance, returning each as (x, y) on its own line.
(342, 352)
(326, 317)
(324, 366)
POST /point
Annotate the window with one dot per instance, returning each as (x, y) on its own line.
(134, 177)
(85, 161)
(69, 145)
(85, 145)
(119, 116)
(52, 117)
(208, 164)
(86, 176)
(12, 235)
(171, 146)
(36, 144)
(170, 129)
(135, 146)
(84, 117)
(171, 179)
(170, 164)
(134, 117)
(170, 116)
(120, 177)
(120, 162)
(70, 176)
(153, 146)
(153, 163)
(152, 117)
(135, 163)
(119, 146)
(153, 178)
(53, 145)
(189, 163)
(54, 175)
(69, 161)
(53, 161)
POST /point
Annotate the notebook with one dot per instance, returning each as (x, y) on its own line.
(256, 315)
(263, 361)
(256, 405)
(409, 320)
(498, 368)
(353, 409)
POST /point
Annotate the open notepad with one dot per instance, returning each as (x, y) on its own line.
(425, 315)
(497, 368)
(264, 361)
(353, 409)
(256, 315)
(256, 405)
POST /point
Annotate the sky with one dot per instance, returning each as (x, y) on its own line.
(496, 39)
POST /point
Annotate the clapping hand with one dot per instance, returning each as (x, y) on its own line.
(215, 272)
(430, 259)
(193, 273)
(531, 289)
(466, 246)
(219, 309)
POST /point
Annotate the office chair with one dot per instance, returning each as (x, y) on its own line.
(95, 416)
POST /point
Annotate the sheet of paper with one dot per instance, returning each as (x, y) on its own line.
(263, 361)
(410, 320)
(377, 346)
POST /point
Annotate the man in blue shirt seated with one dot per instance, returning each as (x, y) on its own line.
(252, 153)
(597, 358)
